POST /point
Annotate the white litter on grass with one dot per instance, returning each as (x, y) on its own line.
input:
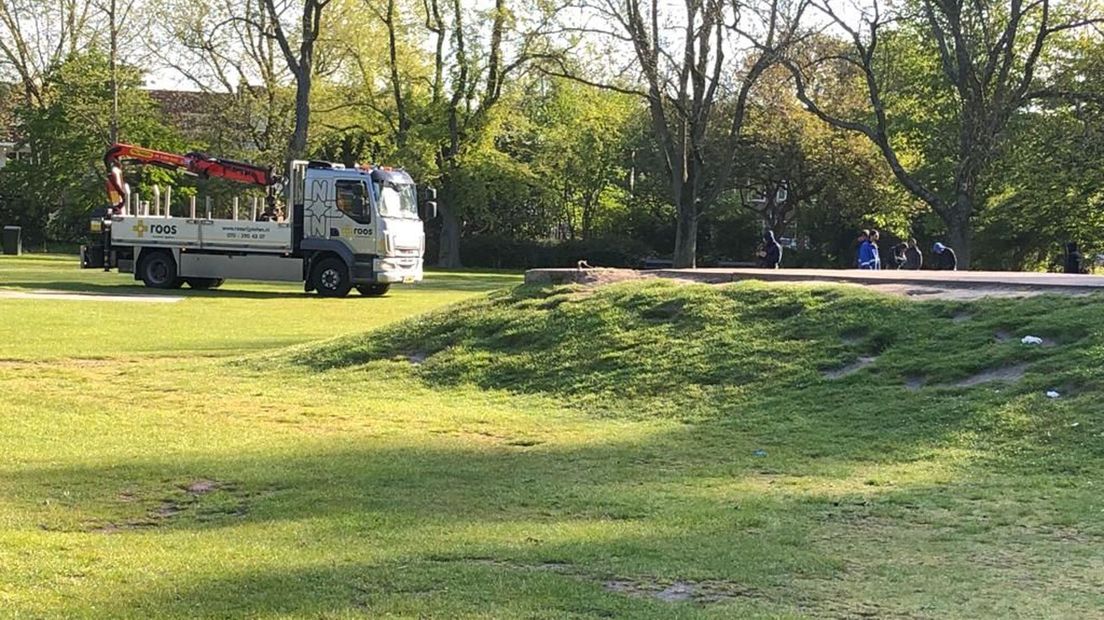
(1032, 340)
(61, 296)
(1052, 394)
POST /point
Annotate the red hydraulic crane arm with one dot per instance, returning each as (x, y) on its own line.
(193, 163)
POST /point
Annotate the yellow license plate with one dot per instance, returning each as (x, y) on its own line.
(408, 279)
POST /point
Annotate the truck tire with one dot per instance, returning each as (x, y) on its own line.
(158, 270)
(330, 277)
(203, 284)
(374, 290)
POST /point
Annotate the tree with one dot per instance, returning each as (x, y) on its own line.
(37, 35)
(227, 48)
(300, 58)
(578, 140)
(1045, 189)
(470, 95)
(117, 15)
(792, 165)
(52, 192)
(684, 79)
(990, 57)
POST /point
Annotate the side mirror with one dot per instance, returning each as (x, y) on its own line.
(429, 210)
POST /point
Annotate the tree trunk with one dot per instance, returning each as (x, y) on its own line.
(114, 58)
(960, 230)
(686, 239)
(449, 251)
(588, 213)
(297, 147)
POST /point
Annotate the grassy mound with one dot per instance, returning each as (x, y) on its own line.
(826, 365)
(645, 340)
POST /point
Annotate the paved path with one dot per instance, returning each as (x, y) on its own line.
(945, 279)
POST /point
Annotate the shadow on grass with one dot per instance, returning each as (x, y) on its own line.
(473, 520)
(439, 283)
(509, 530)
(513, 531)
(108, 290)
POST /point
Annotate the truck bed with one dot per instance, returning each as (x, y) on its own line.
(204, 234)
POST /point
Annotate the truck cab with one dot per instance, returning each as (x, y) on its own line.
(368, 216)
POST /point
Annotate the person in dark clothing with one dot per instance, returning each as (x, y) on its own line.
(1073, 259)
(914, 258)
(899, 257)
(771, 256)
(864, 238)
(945, 258)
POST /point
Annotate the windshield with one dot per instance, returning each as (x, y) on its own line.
(397, 200)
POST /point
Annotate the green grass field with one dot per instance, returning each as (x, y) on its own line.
(473, 448)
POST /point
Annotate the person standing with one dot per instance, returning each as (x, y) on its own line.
(1073, 262)
(771, 256)
(869, 258)
(945, 258)
(899, 255)
(914, 258)
(864, 237)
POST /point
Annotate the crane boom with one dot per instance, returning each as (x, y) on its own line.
(192, 163)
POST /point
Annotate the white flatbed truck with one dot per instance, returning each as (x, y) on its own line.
(347, 228)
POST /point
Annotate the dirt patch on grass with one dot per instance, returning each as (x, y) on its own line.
(1004, 374)
(915, 383)
(700, 592)
(201, 487)
(186, 497)
(850, 369)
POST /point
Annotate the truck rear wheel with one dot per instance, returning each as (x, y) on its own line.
(203, 284)
(158, 270)
(374, 290)
(330, 277)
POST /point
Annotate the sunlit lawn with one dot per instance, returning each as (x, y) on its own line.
(647, 450)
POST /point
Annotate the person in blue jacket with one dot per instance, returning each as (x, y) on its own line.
(864, 237)
(869, 258)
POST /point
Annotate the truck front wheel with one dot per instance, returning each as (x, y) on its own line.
(158, 270)
(374, 290)
(330, 277)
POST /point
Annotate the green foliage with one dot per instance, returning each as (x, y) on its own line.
(836, 181)
(519, 253)
(52, 192)
(1046, 188)
(580, 142)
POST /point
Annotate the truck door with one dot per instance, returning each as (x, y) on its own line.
(357, 224)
